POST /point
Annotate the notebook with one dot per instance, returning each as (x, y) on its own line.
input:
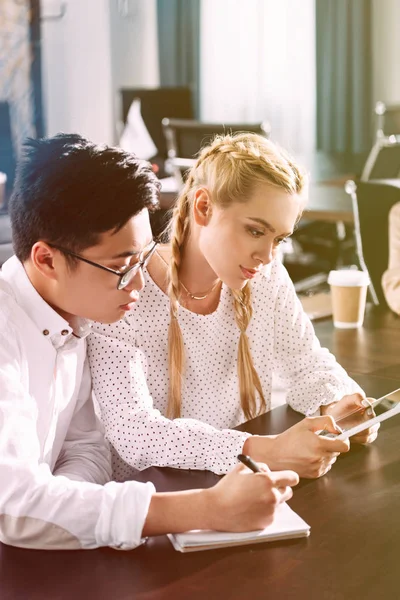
(317, 306)
(286, 525)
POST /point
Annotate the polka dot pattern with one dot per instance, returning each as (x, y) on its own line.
(129, 367)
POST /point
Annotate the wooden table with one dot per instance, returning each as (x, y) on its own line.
(353, 550)
(329, 203)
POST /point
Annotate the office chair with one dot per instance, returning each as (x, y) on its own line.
(156, 104)
(383, 161)
(387, 119)
(372, 201)
(184, 139)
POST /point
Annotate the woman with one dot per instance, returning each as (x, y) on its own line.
(218, 317)
(391, 277)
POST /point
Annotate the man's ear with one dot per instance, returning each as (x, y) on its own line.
(43, 258)
(202, 207)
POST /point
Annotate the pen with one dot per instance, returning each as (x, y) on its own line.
(249, 462)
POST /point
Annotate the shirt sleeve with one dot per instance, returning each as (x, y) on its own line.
(310, 373)
(85, 454)
(141, 435)
(391, 277)
(41, 510)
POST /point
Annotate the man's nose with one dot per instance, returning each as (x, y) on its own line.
(137, 282)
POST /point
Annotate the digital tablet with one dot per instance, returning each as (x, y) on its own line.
(365, 417)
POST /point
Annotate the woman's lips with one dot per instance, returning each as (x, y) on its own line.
(249, 273)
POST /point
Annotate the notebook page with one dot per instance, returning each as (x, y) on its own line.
(286, 523)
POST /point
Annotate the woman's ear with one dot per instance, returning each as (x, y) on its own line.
(202, 207)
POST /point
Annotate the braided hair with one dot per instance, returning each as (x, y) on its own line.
(229, 168)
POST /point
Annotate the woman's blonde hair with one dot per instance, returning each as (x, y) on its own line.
(229, 168)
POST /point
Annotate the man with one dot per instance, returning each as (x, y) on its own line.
(82, 236)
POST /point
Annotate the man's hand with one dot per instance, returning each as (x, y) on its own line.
(245, 501)
(241, 501)
(349, 407)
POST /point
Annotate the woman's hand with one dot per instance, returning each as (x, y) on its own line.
(299, 448)
(349, 407)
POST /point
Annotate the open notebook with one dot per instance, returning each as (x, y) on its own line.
(286, 525)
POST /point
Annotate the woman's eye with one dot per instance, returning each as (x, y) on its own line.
(281, 241)
(255, 232)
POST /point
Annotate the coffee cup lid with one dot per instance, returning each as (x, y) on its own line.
(348, 278)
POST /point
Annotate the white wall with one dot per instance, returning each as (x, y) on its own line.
(260, 65)
(88, 55)
(134, 47)
(386, 50)
(76, 69)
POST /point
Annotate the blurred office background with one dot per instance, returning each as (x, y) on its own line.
(312, 70)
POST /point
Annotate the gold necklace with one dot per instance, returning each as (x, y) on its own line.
(193, 297)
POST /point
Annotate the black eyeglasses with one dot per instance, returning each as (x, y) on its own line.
(126, 277)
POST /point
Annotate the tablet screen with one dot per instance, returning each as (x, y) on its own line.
(364, 417)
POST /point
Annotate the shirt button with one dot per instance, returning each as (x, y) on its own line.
(65, 332)
(45, 332)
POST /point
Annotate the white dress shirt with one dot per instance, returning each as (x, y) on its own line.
(129, 365)
(54, 461)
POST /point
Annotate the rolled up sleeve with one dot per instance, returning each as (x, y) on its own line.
(41, 510)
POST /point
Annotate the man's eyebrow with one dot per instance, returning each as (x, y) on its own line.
(129, 253)
(268, 226)
(126, 254)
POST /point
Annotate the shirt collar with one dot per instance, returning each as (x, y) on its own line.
(49, 322)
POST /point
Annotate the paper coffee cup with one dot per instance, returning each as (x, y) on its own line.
(349, 295)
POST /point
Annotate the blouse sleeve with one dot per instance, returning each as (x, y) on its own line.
(309, 373)
(391, 277)
(141, 435)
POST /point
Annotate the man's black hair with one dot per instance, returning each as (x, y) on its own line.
(68, 191)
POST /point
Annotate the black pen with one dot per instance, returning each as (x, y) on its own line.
(249, 462)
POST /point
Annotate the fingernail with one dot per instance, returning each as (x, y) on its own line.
(339, 429)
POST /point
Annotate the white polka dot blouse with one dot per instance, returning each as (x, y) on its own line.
(128, 362)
